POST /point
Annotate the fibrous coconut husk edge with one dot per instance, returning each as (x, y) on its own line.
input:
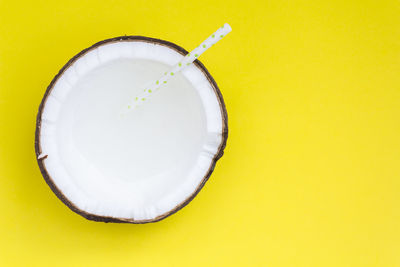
(98, 218)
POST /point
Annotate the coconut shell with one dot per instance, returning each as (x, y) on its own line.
(98, 218)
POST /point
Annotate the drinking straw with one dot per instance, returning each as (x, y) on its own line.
(154, 86)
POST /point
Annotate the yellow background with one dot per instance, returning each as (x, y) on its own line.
(311, 172)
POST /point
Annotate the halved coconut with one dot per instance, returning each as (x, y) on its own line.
(142, 167)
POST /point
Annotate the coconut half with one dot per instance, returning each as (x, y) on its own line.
(142, 167)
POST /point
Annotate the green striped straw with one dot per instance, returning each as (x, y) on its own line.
(154, 86)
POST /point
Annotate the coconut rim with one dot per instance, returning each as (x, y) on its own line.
(99, 218)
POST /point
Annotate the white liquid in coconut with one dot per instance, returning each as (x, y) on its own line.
(151, 148)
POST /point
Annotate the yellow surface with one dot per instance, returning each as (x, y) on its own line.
(311, 172)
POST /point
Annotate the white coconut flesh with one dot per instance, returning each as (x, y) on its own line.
(149, 162)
